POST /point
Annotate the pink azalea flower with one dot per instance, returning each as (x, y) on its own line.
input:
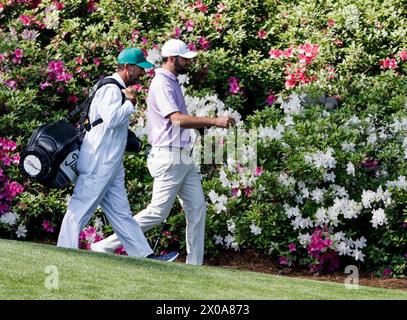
(386, 273)
(235, 192)
(150, 73)
(388, 63)
(204, 43)
(248, 191)
(91, 6)
(45, 84)
(135, 34)
(283, 261)
(16, 159)
(189, 25)
(292, 247)
(60, 89)
(137, 87)
(59, 5)
(403, 55)
(220, 7)
(275, 53)
(192, 47)
(47, 226)
(239, 168)
(262, 34)
(177, 32)
(11, 84)
(120, 251)
(144, 40)
(234, 87)
(73, 99)
(96, 61)
(26, 20)
(330, 23)
(291, 81)
(258, 171)
(201, 6)
(270, 99)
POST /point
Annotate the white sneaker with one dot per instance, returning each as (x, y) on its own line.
(95, 247)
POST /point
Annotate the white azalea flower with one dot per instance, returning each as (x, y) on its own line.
(254, 229)
(231, 226)
(358, 255)
(379, 218)
(350, 169)
(8, 218)
(343, 249)
(218, 239)
(21, 231)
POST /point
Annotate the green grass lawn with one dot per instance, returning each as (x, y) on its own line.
(86, 275)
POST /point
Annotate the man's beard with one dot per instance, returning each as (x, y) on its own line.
(180, 69)
(132, 79)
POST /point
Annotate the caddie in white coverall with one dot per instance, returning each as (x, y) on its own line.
(100, 163)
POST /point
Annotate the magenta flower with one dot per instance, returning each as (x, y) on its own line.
(73, 99)
(235, 192)
(270, 99)
(283, 261)
(47, 226)
(258, 171)
(386, 273)
(17, 56)
(137, 87)
(135, 34)
(248, 191)
(144, 40)
(26, 20)
(96, 61)
(403, 55)
(120, 251)
(262, 34)
(91, 6)
(59, 5)
(204, 43)
(234, 87)
(150, 73)
(192, 47)
(292, 247)
(177, 32)
(11, 84)
(189, 25)
(45, 84)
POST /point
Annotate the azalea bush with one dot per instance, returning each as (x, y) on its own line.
(318, 90)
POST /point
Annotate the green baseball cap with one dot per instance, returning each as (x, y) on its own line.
(134, 56)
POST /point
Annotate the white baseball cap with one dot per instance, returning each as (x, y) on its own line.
(175, 47)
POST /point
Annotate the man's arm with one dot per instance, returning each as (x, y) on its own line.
(192, 122)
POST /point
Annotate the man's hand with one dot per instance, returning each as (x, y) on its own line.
(130, 95)
(225, 122)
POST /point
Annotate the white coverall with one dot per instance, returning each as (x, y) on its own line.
(101, 175)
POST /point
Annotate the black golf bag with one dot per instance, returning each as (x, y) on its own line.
(53, 149)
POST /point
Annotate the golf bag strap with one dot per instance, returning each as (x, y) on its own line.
(83, 108)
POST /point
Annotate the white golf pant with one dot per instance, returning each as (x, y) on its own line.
(174, 175)
(110, 193)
